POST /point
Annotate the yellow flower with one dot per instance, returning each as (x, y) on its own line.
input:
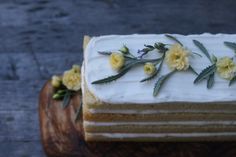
(149, 68)
(117, 61)
(226, 68)
(72, 79)
(177, 58)
(76, 68)
(56, 81)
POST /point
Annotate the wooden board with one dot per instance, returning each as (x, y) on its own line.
(63, 137)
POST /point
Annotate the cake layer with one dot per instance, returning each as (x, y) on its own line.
(165, 128)
(150, 137)
(109, 117)
(179, 88)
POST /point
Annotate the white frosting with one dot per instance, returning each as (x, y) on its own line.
(156, 135)
(191, 123)
(179, 88)
(133, 111)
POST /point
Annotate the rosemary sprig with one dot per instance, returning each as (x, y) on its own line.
(203, 49)
(160, 47)
(78, 111)
(230, 44)
(160, 82)
(209, 72)
(66, 99)
(124, 70)
(173, 38)
(113, 77)
(210, 81)
(205, 73)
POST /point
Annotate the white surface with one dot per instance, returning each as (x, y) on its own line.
(179, 88)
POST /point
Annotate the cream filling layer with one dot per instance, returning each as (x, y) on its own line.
(155, 135)
(179, 88)
(129, 111)
(191, 123)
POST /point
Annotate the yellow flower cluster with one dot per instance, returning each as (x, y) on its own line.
(177, 58)
(117, 61)
(226, 68)
(71, 79)
(56, 81)
(149, 68)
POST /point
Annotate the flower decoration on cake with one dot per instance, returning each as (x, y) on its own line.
(177, 58)
(226, 67)
(72, 78)
(231, 45)
(117, 61)
(149, 68)
(67, 85)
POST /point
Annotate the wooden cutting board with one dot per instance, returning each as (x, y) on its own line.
(63, 137)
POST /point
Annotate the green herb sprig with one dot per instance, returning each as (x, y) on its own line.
(231, 45)
(209, 72)
(132, 61)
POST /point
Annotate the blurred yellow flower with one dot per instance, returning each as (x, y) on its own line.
(56, 81)
(177, 58)
(226, 68)
(72, 78)
(149, 68)
(117, 61)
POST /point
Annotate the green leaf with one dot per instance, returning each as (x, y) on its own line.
(202, 48)
(113, 77)
(230, 44)
(173, 38)
(191, 68)
(107, 53)
(160, 82)
(233, 80)
(66, 99)
(205, 73)
(210, 81)
(78, 111)
(149, 46)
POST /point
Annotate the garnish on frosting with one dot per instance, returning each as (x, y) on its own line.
(117, 61)
(149, 68)
(177, 58)
(232, 46)
(226, 68)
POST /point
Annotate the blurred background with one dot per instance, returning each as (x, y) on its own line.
(39, 38)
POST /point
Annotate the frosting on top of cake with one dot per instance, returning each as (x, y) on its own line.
(179, 88)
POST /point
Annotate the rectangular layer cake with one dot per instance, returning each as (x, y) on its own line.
(176, 109)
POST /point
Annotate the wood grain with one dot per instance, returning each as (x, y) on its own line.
(62, 136)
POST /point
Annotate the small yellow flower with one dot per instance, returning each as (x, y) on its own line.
(117, 61)
(226, 68)
(149, 68)
(56, 81)
(72, 79)
(177, 58)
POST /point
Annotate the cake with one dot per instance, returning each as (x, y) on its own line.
(185, 108)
